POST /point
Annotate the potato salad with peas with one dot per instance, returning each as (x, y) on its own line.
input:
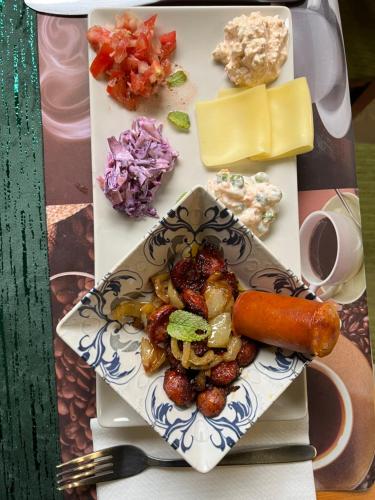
(254, 200)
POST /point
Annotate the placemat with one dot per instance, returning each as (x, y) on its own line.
(66, 146)
(26, 354)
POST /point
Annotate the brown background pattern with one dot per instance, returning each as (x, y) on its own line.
(71, 261)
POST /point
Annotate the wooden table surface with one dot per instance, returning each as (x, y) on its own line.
(340, 495)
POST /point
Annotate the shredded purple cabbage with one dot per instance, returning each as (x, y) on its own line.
(135, 167)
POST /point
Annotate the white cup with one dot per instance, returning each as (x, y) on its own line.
(344, 430)
(349, 257)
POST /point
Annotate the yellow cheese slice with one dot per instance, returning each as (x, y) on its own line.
(292, 128)
(234, 127)
(291, 117)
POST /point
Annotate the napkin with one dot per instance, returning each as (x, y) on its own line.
(292, 481)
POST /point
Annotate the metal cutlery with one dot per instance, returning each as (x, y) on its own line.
(126, 461)
(347, 207)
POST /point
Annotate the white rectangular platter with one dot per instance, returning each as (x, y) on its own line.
(199, 29)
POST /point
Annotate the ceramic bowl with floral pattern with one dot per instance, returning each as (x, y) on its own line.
(113, 349)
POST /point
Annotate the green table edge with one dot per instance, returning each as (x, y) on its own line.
(29, 439)
(365, 159)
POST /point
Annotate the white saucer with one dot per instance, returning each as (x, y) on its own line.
(353, 289)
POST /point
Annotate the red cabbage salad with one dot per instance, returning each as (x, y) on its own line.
(135, 167)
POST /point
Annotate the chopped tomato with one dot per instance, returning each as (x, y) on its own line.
(168, 43)
(133, 60)
(102, 61)
(120, 42)
(136, 83)
(167, 67)
(127, 21)
(150, 22)
(142, 48)
(114, 73)
(131, 63)
(97, 36)
(142, 67)
(118, 90)
(157, 71)
(141, 85)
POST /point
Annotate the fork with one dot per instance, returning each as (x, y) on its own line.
(127, 460)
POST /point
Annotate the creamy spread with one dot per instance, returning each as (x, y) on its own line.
(252, 199)
(254, 49)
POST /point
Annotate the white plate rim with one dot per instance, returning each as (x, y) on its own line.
(103, 410)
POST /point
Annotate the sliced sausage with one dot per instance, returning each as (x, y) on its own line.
(247, 352)
(224, 373)
(157, 323)
(211, 402)
(232, 281)
(209, 260)
(178, 388)
(194, 302)
(184, 274)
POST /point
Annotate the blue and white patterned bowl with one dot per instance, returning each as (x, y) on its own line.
(114, 350)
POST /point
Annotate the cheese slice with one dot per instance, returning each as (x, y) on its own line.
(234, 127)
(292, 120)
(292, 128)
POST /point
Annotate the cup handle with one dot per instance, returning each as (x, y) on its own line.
(330, 290)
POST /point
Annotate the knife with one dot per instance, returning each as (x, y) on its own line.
(271, 455)
(83, 7)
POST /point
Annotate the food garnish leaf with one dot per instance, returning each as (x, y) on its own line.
(176, 79)
(179, 119)
(187, 326)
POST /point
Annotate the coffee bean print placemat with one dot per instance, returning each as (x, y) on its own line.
(29, 444)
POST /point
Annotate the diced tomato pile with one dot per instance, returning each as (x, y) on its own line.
(133, 60)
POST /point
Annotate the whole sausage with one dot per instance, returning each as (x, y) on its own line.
(293, 323)
(224, 373)
(211, 402)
